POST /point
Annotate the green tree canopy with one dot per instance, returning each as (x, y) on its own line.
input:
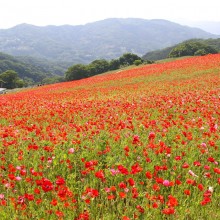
(97, 67)
(11, 80)
(75, 72)
(128, 59)
(114, 64)
(138, 62)
(80, 71)
(192, 48)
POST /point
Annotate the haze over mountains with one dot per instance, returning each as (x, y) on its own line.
(209, 26)
(106, 39)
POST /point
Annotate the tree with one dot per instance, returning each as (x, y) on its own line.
(192, 48)
(19, 83)
(75, 72)
(114, 64)
(128, 59)
(11, 80)
(80, 71)
(52, 80)
(2, 82)
(138, 62)
(200, 52)
(97, 67)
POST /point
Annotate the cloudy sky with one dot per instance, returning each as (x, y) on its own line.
(59, 12)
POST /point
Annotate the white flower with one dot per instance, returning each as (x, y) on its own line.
(211, 189)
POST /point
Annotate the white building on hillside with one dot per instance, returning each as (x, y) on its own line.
(2, 90)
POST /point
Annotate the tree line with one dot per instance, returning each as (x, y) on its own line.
(80, 71)
(193, 47)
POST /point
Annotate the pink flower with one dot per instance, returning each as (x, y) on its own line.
(71, 151)
(126, 190)
(2, 196)
(166, 182)
(18, 178)
(7, 185)
(203, 145)
(49, 160)
(192, 173)
(107, 189)
(114, 172)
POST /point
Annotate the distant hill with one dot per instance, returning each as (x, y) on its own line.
(26, 70)
(106, 39)
(46, 66)
(163, 53)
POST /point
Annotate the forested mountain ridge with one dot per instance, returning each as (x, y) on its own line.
(106, 39)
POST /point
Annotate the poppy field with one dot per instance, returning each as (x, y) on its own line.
(134, 144)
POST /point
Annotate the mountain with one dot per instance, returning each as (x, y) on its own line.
(164, 53)
(46, 66)
(26, 70)
(108, 39)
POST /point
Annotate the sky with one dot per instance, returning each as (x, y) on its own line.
(61, 12)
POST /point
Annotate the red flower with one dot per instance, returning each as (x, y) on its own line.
(122, 195)
(172, 202)
(155, 205)
(87, 201)
(190, 182)
(83, 216)
(123, 170)
(136, 139)
(187, 192)
(197, 163)
(60, 181)
(178, 182)
(29, 197)
(205, 201)
(100, 174)
(125, 218)
(136, 169)
(200, 187)
(53, 202)
(59, 213)
(131, 182)
(156, 187)
(95, 192)
(46, 185)
(140, 208)
(122, 185)
(148, 175)
(217, 170)
(111, 196)
(151, 136)
(168, 211)
(185, 165)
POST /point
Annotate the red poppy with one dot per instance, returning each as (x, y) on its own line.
(168, 211)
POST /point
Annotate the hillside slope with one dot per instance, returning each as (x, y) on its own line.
(142, 142)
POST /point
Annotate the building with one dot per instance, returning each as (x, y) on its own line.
(2, 90)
